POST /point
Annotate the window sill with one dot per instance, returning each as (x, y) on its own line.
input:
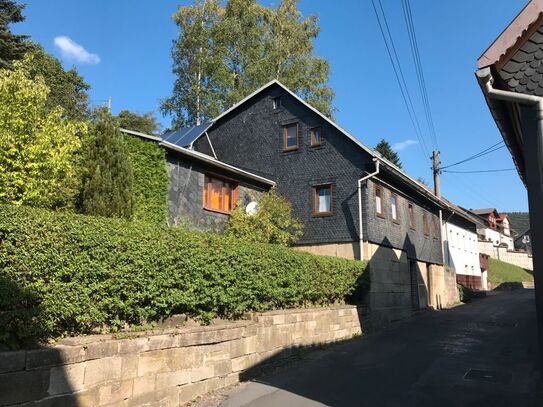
(322, 214)
(217, 211)
(380, 216)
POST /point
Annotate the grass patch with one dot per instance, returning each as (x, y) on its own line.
(502, 272)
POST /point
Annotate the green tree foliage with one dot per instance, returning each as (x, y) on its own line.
(67, 89)
(12, 47)
(67, 274)
(386, 151)
(272, 223)
(107, 171)
(223, 54)
(151, 180)
(197, 64)
(520, 222)
(144, 123)
(38, 146)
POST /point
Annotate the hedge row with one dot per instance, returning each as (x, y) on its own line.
(65, 274)
(151, 182)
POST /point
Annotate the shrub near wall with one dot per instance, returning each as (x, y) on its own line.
(150, 183)
(65, 274)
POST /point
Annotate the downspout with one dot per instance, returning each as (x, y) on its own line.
(360, 223)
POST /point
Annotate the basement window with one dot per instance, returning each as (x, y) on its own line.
(322, 200)
(219, 195)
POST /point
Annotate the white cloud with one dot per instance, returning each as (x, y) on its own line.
(402, 145)
(73, 51)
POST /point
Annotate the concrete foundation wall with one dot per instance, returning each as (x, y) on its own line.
(167, 367)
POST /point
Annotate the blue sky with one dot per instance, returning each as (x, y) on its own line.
(126, 56)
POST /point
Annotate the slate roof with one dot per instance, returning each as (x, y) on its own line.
(523, 73)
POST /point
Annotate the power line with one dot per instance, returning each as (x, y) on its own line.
(480, 171)
(475, 194)
(408, 17)
(396, 66)
(486, 151)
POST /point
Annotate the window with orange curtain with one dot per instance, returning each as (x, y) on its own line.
(219, 195)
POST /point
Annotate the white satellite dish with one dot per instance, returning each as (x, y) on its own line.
(251, 208)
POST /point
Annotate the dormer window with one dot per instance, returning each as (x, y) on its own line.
(276, 102)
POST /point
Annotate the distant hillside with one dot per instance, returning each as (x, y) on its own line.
(520, 221)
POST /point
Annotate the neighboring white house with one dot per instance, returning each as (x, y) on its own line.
(496, 227)
(462, 254)
(504, 227)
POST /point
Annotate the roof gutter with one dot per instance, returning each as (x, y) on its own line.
(360, 223)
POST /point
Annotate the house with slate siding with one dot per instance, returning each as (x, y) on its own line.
(353, 202)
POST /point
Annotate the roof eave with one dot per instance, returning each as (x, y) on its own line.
(510, 36)
(483, 76)
(216, 163)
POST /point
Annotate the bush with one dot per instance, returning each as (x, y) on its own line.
(272, 223)
(151, 181)
(66, 274)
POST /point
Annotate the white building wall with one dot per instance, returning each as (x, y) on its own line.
(490, 235)
(508, 240)
(462, 250)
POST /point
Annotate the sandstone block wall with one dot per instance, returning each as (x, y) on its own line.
(396, 290)
(520, 259)
(166, 367)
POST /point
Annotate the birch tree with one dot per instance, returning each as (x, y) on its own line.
(223, 54)
(197, 64)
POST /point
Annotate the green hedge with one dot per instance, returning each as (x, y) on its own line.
(150, 184)
(65, 274)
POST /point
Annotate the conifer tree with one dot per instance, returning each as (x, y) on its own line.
(386, 151)
(12, 46)
(107, 172)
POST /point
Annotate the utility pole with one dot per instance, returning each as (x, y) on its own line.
(109, 104)
(435, 168)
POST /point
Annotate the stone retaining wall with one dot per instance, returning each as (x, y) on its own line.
(521, 259)
(167, 367)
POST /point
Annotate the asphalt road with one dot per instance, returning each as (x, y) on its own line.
(479, 354)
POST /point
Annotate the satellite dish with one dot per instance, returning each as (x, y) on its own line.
(251, 208)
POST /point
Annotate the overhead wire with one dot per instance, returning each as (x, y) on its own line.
(480, 171)
(400, 78)
(415, 52)
(486, 151)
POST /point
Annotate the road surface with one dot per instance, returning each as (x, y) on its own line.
(479, 354)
